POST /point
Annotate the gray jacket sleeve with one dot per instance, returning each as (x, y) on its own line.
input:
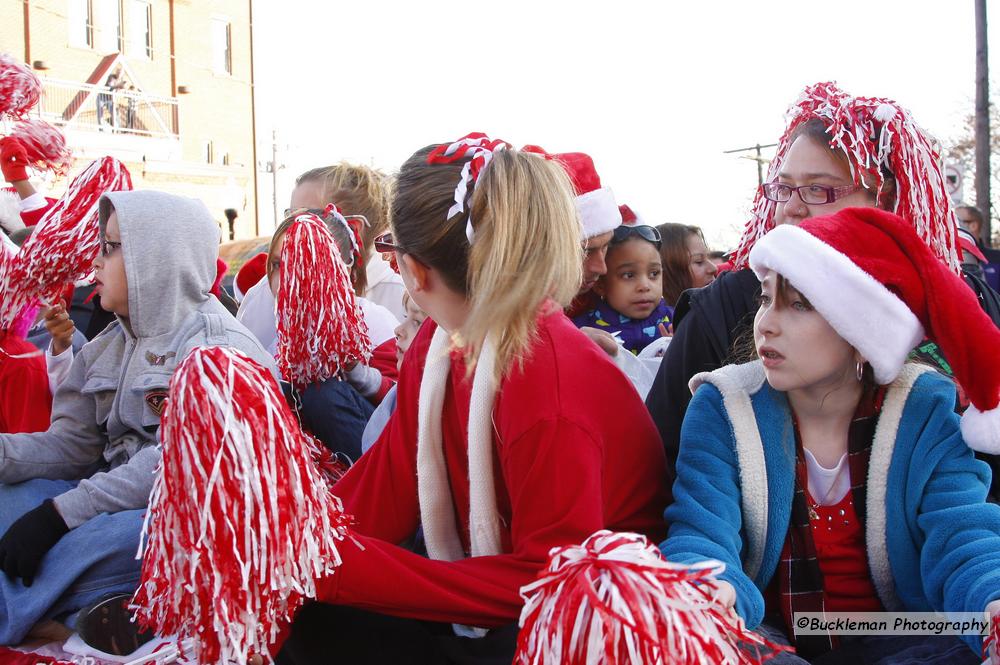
(70, 447)
(125, 487)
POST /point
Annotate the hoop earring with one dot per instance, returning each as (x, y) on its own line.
(860, 370)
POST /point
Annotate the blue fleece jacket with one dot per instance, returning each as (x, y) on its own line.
(933, 542)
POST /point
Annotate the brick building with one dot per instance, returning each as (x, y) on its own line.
(164, 85)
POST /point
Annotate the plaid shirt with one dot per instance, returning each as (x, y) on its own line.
(800, 581)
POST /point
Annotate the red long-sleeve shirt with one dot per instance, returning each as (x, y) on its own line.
(575, 451)
(25, 400)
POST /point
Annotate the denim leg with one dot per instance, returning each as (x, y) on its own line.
(902, 650)
(769, 629)
(93, 560)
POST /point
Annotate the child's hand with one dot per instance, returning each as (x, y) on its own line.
(666, 331)
(61, 327)
(603, 339)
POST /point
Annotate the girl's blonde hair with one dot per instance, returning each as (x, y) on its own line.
(526, 249)
(356, 190)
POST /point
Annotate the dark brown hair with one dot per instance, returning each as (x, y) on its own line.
(676, 259)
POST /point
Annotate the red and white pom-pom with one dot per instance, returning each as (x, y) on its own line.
(65, 242)
(991, 645)
(872, 132)
(614, 599)
(241, 522)
(20, 89)
(44, 145)
(320, 324)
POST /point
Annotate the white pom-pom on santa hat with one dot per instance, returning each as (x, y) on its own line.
(868, 273)
(10, 211)
(596, 205)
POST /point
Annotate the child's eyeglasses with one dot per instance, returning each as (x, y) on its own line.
(108, 247)
(385, 244)
(647, 233)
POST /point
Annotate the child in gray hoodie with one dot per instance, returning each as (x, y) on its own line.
(72, 498)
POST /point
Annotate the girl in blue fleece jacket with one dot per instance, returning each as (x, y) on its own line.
(830, 476)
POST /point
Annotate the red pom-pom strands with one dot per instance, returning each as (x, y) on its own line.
(241, 521)
(20, 89)
(320, 324)
(44, 145)
(873, 133)
(615, 600)
(478, 148)
(65, 242)
(991, 645)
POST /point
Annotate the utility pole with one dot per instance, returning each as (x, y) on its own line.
(274, 167)
(982, 122)
(757, 157)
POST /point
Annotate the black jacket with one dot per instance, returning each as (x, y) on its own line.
(707, 322)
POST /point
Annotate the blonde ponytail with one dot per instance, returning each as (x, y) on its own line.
(526, 250)
(527, 244)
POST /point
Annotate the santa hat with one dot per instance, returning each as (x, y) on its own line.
(872, 133)
(597, 207)
(869, 274)
(252, 272)
(629, 216)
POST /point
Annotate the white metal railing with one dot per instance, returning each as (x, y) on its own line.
(95, 107)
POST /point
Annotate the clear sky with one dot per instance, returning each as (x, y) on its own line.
(653, 91)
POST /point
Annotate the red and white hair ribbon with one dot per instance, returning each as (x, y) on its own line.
(478, 148)
(354, 234)
(873, 133)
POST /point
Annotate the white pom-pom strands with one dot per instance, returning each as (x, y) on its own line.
(320, 324)
(615, 600)
(241, 520)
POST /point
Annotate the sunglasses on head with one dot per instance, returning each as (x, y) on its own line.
(386, 244)
(647, 233)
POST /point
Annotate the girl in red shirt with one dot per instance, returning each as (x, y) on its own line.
(512, 435)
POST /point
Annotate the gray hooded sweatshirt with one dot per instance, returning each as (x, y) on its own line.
(106, 414)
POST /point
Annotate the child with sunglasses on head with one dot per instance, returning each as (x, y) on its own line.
(632, 305)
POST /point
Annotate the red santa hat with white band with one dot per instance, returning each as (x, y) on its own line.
(596, 205)
(869, 274)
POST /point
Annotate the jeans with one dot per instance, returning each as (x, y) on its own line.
(95, 559)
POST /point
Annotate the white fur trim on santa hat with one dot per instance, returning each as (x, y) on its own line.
(598, 212)
(10, 211)
(859, 307)
(981, 430)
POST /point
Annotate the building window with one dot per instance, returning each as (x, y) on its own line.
(80, 16)
(222, 46)
(140, 29)
(108, 19)
(225, 159)
(209, 152)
